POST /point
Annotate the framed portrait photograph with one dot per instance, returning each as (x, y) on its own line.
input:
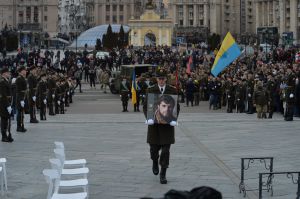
(162, 108)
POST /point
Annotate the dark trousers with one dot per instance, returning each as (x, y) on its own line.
(78, 83)
(43, 111)
(20, 118)
(164, 155)
(62, 106)
(51, 112)
(125, 104)
(92, 82)
(137, 104)
(4, 126)
(289, 113)
(32, 111)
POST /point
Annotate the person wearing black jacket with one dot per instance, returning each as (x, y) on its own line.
(21, 89)
(5, 105)
(32, 85)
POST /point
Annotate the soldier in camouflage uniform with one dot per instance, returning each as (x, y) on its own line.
(240, 96)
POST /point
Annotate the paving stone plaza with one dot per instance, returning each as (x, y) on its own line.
(207, 152)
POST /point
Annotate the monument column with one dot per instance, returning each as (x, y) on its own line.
(195, 14)
(185, 15)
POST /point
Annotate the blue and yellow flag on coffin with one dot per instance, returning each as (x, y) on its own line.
(228, 52)
(133, 89)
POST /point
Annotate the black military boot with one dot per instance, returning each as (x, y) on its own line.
(155, 167)
(34, 120)
(163, 179)
(10, 139)
(270, 115)
(264, 115)
(4, 137)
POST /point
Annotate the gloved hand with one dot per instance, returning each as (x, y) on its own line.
(120, 95)
(22, 103)
(58, 102)
(9, 109)
(173, 123)
(34, 98)
(53, 96)
(68, 93)
(63, 99)
(45, 101)
(291, 95)
(249, 95)
(149, 122)
(229, 96)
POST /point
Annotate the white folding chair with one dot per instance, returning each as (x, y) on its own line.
(2, 164)
(60, 146)
(53, 175)
(74, 171)
(83, 182)
(1, 179)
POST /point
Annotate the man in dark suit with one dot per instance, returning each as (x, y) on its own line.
(5, 105)
(160, 136)
(21, 89)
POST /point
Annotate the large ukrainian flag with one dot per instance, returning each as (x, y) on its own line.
(228, 52)
(133, 89)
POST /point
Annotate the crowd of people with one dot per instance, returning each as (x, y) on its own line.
(265, 83)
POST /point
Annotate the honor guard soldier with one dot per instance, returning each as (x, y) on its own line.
(42, 96)
(5, 106)
(290, 95)
(21, 89)
(160, 136)
(57, 98)
(51, 84)
(124, 93)
(62, 95)
(138, 94)
(249, 93)
(67, 93)
(32, 85)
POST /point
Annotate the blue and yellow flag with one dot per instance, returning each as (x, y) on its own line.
(228, 52)
(133, 89)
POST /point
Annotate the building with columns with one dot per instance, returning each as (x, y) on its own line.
(115, 12)
(29, 15)
(282, 14)
(214, 15)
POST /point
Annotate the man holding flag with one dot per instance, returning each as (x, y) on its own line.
(228, 52)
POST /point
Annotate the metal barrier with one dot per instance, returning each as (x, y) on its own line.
(244, 168)
(289, 174)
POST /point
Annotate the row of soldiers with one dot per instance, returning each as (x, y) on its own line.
(142, 83)
(30, 90)
(244, 94)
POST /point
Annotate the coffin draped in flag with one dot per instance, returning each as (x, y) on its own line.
(228, 52)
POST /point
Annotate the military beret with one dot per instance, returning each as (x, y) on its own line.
(21, 68)
(161, 73)
(4, 70)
